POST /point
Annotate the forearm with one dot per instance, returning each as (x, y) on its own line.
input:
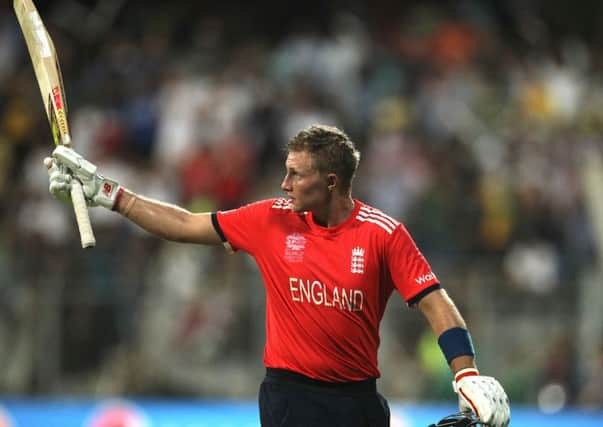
(443, 315)
(441, 312)
(165, 220)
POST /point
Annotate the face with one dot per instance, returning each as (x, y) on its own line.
(307, 188)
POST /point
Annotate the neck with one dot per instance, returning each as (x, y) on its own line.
(336, 211)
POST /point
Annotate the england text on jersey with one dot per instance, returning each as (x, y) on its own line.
(318, 293)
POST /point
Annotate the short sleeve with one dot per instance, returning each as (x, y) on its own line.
(411, 273)
(242, 227)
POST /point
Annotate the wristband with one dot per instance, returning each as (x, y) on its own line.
(456, 342)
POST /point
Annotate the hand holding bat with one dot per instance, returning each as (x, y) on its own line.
(67, 167)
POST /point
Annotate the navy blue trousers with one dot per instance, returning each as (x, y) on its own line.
(288, 399)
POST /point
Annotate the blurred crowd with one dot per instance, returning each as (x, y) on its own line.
(479, 126)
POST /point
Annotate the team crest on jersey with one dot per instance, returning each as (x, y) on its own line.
(357, 262)
(295, 245)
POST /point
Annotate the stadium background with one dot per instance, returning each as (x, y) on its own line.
(480, 127)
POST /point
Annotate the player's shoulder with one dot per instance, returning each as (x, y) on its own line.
(275, 206)
(376, 220)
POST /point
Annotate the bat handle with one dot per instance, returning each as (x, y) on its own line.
(81, 215)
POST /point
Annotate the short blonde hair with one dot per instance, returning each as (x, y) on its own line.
(331, 149)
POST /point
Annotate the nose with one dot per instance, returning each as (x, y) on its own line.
(286, 185)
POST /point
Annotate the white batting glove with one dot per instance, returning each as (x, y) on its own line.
(484, 396)
(59, 181)
(66, 165)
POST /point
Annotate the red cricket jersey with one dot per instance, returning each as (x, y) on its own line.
(326, 287)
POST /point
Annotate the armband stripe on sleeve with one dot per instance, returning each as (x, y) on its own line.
(225, 242)
(414, 300)
(456, 342)
(216, 224)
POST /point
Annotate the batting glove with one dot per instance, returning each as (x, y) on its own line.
(484, 396)
(59, 181)
(66, 165)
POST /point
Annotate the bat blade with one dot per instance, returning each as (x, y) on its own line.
(50, 82)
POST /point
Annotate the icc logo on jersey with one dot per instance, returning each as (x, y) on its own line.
(295, 245)
(357, 262)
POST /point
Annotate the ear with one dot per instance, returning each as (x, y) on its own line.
(331, 181)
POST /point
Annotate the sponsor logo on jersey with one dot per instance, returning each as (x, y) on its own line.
(421, 280)
(295, 245)
(317, 293)
(357, 262)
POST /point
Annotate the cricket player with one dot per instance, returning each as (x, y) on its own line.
(329, 263)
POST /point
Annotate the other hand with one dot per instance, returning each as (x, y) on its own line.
(484, 396)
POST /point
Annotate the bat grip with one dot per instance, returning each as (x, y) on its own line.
(81, 215)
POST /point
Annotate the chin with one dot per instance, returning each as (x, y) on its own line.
(297, 207)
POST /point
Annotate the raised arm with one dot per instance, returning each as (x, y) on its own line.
(164, 220)
(167, 221)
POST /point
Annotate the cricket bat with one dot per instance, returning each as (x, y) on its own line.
(50, 81)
